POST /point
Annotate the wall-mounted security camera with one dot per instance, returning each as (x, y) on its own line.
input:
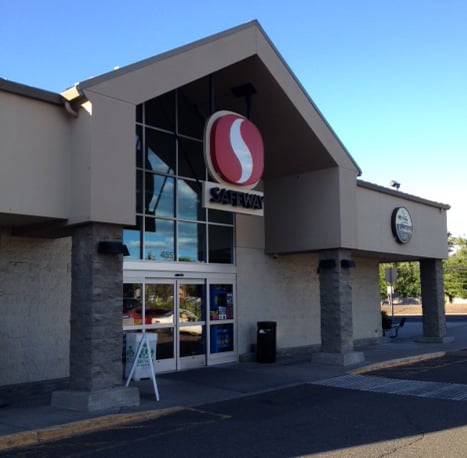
(394, 184)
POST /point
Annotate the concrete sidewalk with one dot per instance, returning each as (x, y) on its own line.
(26, 425)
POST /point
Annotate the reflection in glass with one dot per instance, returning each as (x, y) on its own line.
(132, 239)
(191, 299)
(160, 195)
(139, 146)
(191, 159)
(159, 239)
(132, 304)
(165, 343)
(170, 169)
(189, 200)
(192, 341)
(191, 242)
(160, 152)
(132, 291)
(159, 302)
(220, 244)
(191, 302)
(191, 99)
(139, 191)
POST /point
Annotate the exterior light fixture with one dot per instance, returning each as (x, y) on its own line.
(112, 247)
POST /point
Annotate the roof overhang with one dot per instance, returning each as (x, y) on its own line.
(297, 137)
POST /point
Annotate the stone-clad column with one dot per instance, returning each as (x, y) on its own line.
(336, 309)
(434, 318)
(96, 324)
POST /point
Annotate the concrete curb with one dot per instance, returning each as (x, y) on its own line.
(398, 362)
(54, 433)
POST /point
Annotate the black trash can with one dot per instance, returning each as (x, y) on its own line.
(266, 342)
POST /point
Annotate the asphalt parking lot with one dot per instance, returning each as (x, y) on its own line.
(450, 368)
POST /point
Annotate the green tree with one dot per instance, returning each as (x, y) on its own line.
(408, 279)
(408, 273)
(382, 282)
(455, 269)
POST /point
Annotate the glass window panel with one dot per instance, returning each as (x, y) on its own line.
(191, 159)
(160, 152)
(165, 343)
(189, 200)
(191, 242)
(139, 191)
(160, 112)
(132, 239)
(222, 338)
(192, 340)
(220, 244)
(132, 304)
(159, 303)
(191, 112)
(159, 309)
(139, 146)
(157, 196)
(160, 195)
(221, 302)
(139, 113)
(191, 301)
(219, 216)
(159, 240)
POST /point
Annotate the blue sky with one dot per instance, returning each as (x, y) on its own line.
(390, 76)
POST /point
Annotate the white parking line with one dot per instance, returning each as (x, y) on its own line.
(422, 389)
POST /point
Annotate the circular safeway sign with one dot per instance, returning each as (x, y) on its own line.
(233, 150)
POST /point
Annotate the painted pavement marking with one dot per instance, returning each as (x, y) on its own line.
(418, 388)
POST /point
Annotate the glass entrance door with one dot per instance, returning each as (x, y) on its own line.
(191, 324)
(194, 320)
(176, 311)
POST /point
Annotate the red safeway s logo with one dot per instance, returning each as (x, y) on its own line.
(234, 149)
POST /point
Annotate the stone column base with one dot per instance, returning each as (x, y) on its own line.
(424, 339)
(339, 359)
(90, 401)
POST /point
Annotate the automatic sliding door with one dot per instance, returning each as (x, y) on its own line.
(191, 323)
(149, 308)
(194, 319)
(160, 312)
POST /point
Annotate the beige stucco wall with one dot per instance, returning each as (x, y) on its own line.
(56, 166)
(284, 289)
(155, 76)
(35, 158)
(103, 178)
(35, 283)
(374, 211)
(302, 212)
(366, 299)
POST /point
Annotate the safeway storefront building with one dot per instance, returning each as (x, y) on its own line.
(121, 213)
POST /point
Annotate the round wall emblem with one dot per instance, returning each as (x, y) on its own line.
(234, 149)
(401, 225)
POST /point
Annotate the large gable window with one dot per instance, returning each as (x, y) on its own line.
(171, 223)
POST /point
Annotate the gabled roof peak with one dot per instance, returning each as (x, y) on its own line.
(240, 55)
